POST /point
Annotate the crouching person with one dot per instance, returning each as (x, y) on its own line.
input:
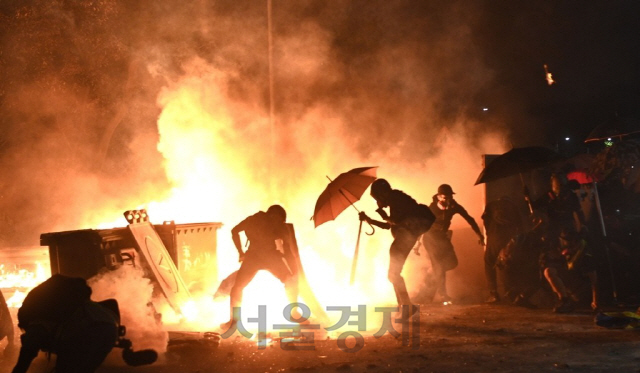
(567, 267)
(59, 317)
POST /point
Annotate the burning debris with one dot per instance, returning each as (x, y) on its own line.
(548, 75)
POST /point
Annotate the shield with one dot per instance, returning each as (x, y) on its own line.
(518, 161)
(342, 192)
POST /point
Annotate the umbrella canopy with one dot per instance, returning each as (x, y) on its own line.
(342, 192)
(582, 177)
(518, 160)
(615, 128)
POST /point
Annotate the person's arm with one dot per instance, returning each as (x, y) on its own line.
(31, 340)
(235, 237)
(380, 224)
(472, 222)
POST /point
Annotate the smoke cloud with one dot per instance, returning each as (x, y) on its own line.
(111, 106)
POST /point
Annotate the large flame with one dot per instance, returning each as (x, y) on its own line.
(225, 162)
(223, 171)
(21, 281)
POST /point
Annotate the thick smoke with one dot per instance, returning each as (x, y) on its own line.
(134, 294)
(113, 105)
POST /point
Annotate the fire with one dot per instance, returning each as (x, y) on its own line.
(21, 281)
(548, 75)
(222, 171)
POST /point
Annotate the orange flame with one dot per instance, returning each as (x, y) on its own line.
(21, 281)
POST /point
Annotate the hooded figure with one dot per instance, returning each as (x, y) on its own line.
(407, 220)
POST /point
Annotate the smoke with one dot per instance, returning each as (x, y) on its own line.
(134, 294)
(112, 106)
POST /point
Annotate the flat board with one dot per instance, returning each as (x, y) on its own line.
(164, 270)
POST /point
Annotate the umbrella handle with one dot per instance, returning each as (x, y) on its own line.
(373, 230)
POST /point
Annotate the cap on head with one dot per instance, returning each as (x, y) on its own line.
(277, 210)
(446, 190)
(379, 187)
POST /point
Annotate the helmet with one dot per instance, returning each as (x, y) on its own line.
(445, 189)
(277, 210)
(379, 187)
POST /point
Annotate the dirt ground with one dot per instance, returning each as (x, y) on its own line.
(455, 338)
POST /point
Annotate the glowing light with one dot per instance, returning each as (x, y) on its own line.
(548, 75)
(22, 281)
(567, 138)
(485, 109)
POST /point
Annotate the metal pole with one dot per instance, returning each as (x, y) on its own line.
(606, 246)
(272, 140)
(355, 257)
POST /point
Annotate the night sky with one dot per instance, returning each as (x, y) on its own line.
(81, 84)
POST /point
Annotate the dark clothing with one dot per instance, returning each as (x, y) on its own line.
(405, 212)
(519, 260)
(502, 222)
(262, 232)
(407, 221)
(443, 217)
(559, 209)
(57, 316)
(442, 257)
(437, 243)
(401, 246)
(574, 265)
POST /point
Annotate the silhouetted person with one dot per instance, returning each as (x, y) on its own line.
(567, 265)
(437, 241)
(407, 220)
(57, 316)
(269, 240)
(502, 222)
(561, 206)
(520, 261)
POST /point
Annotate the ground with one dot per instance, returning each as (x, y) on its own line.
(456, 338)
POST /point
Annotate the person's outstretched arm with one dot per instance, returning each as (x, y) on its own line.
(377, 223)
(472, 223)
(235, 237)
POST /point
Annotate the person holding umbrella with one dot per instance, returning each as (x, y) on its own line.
(437, 241)
(407, 220)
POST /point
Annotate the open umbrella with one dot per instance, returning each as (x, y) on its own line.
(518, 161)
(341, 193)
(616, 128)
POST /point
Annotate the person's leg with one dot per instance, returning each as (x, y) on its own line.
(250, 266)
(593, 279)
(430, 284)
(86, 348)
(400, 249)
(490, 258)
(281, 269)
(558, 287)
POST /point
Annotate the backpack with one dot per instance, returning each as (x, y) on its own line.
(421, 220)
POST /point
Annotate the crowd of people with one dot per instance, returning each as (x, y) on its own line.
(549, 247)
